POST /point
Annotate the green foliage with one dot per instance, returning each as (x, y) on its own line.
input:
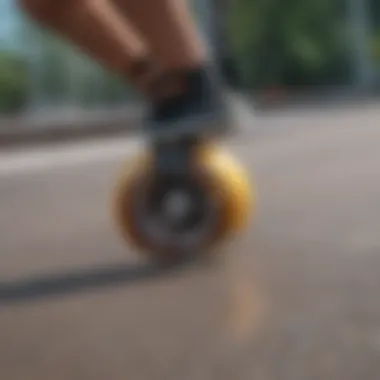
(375, 48)
(295, 42)
(13, 83)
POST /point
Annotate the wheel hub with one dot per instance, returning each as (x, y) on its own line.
(177, 206)
(176, 212)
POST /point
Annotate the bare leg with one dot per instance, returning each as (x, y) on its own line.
(169, 28)
(97, 28)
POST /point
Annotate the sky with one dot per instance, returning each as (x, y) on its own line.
(9, 19)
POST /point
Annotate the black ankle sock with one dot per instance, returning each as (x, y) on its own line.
(184, 81)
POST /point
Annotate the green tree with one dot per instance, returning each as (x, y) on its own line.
(295, 42)
(375, 23)
(13, 85)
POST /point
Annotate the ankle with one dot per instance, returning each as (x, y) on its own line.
(142, 73)
(180, 82)
(159, 85)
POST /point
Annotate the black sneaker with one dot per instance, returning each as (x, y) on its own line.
(200, 110)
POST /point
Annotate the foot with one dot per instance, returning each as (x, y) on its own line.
(198, 107)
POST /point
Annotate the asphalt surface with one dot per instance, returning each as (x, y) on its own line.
(296, 298)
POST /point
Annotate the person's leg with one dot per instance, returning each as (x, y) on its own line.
(170, 29)
(186, 96)
(97, 28)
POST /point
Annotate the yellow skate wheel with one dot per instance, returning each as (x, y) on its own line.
(170, 217)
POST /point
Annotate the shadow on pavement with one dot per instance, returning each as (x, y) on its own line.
(49, 286)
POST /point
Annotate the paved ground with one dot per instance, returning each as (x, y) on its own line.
(297, 299)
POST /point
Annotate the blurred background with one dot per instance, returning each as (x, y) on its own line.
(297, 296)
(264, 46)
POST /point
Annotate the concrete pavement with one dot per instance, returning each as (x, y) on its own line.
(296, 299)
